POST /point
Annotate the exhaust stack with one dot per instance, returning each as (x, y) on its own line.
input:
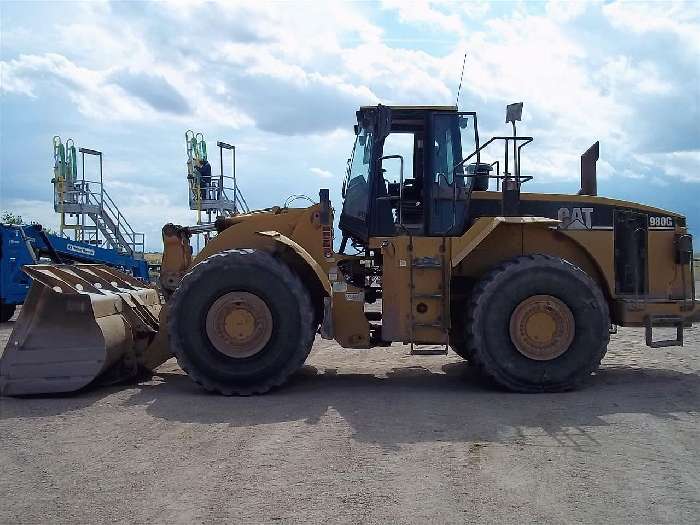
(589, 181)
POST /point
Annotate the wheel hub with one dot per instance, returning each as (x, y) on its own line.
(239, 324)
(542, 327)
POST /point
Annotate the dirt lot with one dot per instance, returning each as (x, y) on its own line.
(366, 436)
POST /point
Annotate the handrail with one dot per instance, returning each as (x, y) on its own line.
(400, 157)
(215, 193)
(492, 139)
(81, 197)
(477, 152)
(107, 204)
(92, 193)
(218, 191)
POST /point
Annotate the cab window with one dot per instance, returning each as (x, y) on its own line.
(357, 187)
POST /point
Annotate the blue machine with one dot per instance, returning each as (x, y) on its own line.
(20, 245)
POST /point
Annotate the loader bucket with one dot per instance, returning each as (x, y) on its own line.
(79, 323)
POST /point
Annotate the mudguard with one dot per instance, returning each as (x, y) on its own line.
(301, 252)
(483, 227)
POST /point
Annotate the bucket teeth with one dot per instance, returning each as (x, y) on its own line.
(79, 323)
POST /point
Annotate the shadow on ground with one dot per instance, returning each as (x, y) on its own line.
(411, 404)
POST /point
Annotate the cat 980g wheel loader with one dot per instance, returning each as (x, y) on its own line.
(526, 286)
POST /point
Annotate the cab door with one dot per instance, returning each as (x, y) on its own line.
(361, 187)
(453, 136)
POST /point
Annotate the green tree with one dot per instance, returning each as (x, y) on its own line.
(8, 217)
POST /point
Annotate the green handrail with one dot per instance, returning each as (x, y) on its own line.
(72, 162)
(59, 158)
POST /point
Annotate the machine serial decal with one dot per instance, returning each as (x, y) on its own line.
(660, 222)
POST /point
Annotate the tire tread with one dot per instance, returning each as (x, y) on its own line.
(227, 261)
(474, 346)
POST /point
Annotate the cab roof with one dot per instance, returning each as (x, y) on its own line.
(416, 108)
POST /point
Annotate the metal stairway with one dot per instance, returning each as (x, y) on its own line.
(86, 208)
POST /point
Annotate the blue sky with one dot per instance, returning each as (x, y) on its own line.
(282, 82)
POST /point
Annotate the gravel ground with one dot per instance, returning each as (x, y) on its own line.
(365, 436)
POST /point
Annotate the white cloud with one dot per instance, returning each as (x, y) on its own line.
(89, 89)
(425, 13)
(112, 93)
(678, 18)
(629, 174)
(682, 165)
(283, 82)
(621, 75)
(658, 181)
(565, 11)
(32, 211)
(324, 174)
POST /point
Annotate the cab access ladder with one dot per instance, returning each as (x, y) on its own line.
(429, 298)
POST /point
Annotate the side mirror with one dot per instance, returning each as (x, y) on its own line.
(342, 189)
(362, 139)
(325, 202)
(463, 122)
(514, 112)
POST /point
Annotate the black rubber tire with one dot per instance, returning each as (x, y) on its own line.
(252, 271)
(489, 345)
(6, 312)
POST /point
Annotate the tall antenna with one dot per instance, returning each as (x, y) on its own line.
(459, 89)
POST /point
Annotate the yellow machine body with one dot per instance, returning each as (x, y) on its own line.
(296, 236)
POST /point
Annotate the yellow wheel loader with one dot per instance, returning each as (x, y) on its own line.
(439, 249)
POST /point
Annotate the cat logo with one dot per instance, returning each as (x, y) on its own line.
(575, 218)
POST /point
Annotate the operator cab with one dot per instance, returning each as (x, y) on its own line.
(407, 176)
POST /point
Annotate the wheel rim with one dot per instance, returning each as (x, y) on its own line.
(239, 324)
(542, 327)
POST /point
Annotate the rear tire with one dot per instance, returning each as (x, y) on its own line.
(569, 331)
(250, 277)
(6, 312)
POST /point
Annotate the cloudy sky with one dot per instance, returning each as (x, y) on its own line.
(282, 82)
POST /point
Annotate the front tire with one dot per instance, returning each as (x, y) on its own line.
(240, 323)
(537, 324)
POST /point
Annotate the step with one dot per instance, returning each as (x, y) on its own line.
(427, 263)
(427, 296)
(373, 316)
(79, 227)
(430, 350)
